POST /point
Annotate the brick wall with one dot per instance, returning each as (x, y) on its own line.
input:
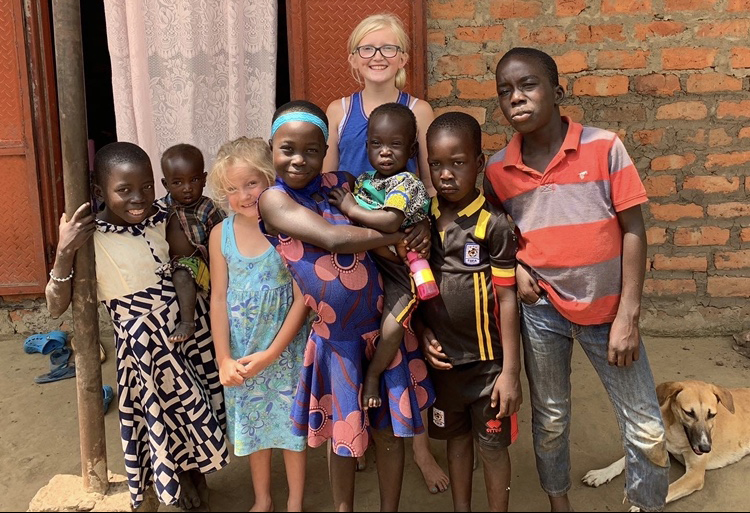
(671, 78)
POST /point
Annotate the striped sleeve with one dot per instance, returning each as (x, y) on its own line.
(627, 189)
(502, 247)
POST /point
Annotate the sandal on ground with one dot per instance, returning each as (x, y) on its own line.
(45, 343)
(59, 358)
(108, 394)
(64, 372)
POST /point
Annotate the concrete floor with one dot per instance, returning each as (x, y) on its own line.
(39, 438)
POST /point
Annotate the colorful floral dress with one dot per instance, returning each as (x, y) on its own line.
(259, 295)
(346, 292)
(169, 396)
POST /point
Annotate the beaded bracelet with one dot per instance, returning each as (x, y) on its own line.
(60, 280)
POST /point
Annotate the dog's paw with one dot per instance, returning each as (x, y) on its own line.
(598, 477)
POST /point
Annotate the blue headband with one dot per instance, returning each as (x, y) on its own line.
(299, 116)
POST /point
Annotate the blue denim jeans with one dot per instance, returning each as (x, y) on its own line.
(548, 346)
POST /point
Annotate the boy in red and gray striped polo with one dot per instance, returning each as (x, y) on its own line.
(574, 196)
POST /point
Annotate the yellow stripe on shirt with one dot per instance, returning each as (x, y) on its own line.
(485, 309)
(478, 315)
(481, 229)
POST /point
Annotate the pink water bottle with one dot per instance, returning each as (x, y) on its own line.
(420, 269)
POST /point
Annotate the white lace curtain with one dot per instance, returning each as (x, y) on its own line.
(191, 71)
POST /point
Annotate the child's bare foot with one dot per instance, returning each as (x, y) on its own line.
(182, 332)
(433, 475)
(189, 497)
(199, 480)
(293, 506)
(263, 505)
(370, 392)
(361, 463)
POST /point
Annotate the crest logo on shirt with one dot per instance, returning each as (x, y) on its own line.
(582, 174)
(438, 417)
(471, 253)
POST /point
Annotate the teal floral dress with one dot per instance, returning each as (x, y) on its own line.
(259, 295)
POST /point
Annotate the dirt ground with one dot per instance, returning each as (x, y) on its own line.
(39, 438)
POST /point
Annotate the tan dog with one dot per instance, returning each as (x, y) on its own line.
(701, 433)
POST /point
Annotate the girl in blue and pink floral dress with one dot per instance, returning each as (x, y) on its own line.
(327, 257)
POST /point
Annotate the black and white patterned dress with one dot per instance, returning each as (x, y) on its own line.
(171, 407)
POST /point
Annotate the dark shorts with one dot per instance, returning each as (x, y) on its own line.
(463, 405)
(399, 293)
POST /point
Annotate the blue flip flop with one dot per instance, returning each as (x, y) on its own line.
(108, 395)
(59, 358)
(63, 372)
(45, 343)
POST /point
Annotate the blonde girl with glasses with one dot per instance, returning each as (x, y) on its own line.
(378, 53)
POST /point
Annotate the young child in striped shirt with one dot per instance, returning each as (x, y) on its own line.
(574, 196)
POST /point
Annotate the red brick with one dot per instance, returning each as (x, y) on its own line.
(649, 137)
(710, 184)
(498, 117)
(479, 113)
(656, 235)
(727, 159)
(470, 89)
(442, 89)
(571, 62)
(729, 210)
(452, 9)
(502, 9)
(744, 132)
(658, 28)
(599, 33)
(672, 162)
(674, 211)
(738, 5)
(718, 137)
(619, 7)
(619, 59)
(745, 235)
(698, 137)
(574, 112)
(713, 82)
(541, 35)
(740, 57)
(688, 5)
(436, 37)
(680, 263)
(600, 86)
(703, 236)
(682, 110)
(569, 7)
(734, 28)
(657, 84)
(470, 65)
(480, 34)
(494, 142)
(687, 58)
(732, 259)
(728, 286)
(658, 186)
(654, 287)
(733, 110)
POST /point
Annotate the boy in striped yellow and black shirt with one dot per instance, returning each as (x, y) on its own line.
(471, 331)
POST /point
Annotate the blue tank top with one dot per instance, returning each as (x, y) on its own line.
(353, 136)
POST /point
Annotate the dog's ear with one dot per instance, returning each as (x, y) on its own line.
(667, 390)
(725, 397)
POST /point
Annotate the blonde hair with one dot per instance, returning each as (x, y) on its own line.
(253, 153)
(378, 22)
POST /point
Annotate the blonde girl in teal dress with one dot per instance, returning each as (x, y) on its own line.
(259, 324)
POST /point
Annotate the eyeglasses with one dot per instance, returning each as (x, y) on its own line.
(369, 51)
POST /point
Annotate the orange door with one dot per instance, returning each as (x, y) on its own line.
(318, 31)
(22, 259)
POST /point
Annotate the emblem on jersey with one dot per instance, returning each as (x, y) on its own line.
(471, 253)
(582, 174)
(438, 417)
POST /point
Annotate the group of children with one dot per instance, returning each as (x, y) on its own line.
(300, 240)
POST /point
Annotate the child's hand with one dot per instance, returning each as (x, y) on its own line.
(255, 363)
(506, 394)
(418, 238)
(343, 200)
(74, 233)
(230, 373)
(433, 351)
(528, 289)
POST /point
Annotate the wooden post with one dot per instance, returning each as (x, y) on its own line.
(66, 17)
